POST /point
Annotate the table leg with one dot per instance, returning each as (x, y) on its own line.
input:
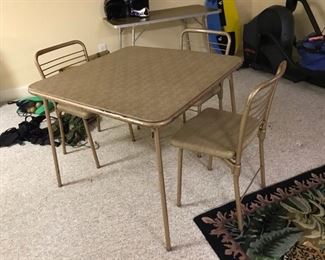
(204, 22)
(186, 35)
(51, 136)
(162, 188)
(133, 36)
(204, 26)
(232, 94)
(120, 37)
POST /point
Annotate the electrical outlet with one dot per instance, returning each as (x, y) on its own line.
(102, 47)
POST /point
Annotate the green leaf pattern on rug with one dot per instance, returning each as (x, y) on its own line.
(275, 228)
(283, 221)
(307, 211)
(274, 244)
(264, 220)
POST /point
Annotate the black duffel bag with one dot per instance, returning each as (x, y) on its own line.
(115, 9)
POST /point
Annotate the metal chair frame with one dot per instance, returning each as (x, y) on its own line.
(52, 65)
(210, 47)
(257, 107)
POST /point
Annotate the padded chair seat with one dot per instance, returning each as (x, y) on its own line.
(76, 111)
(212, 132)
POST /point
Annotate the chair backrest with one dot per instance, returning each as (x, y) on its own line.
(210, 41)
(257, 109)
(57, 58)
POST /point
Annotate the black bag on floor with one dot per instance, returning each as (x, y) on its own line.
(10, 137)
(29, 130)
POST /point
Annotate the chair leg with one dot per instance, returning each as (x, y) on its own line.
(184, 117)
(220, 96)
(91, 142)
(98, 123)
(131, 132)
(232, 94)
(179, 177)
(236, 174)
(199, 109)
(210, 163)
(58, 114)
(51, 138)
(261, 137)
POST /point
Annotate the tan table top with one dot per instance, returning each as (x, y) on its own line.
(164, 15)
(148, 86)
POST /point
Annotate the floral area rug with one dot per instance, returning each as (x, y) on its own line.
(283, 221)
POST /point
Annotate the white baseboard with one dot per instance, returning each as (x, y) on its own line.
(12, 94)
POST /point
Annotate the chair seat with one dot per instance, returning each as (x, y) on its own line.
(76, 111)
(208, 95)
(211, 132)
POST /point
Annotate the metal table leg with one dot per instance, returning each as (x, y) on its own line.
(204, 22)
(162, 188)
(133, 36)
(232, 94)
(120, 37)
(204, 26)
(186, 35)
(55, 157)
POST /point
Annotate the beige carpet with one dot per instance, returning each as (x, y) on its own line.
(114, 212)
